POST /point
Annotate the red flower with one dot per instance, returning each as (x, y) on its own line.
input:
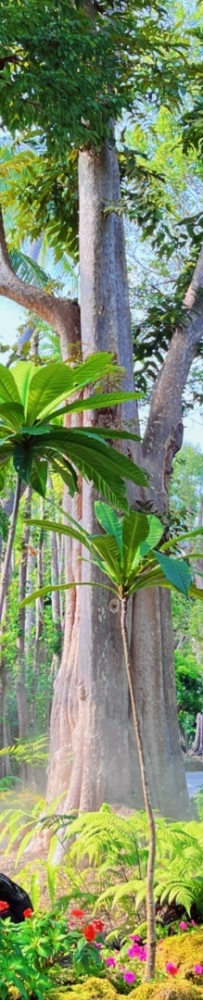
(98, 924)
(79, 914)
(28, 912)
(3, 905)
(171, 968)
(90, 932)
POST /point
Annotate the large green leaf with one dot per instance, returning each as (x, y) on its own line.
(61, 529)
(12, 414)
(97, 366)
(135, 530)
(149, 578)
(93, 459)
(110, 522)
(22, 460)
(108, 433)
(100, 402)
(48, 387)
(8, 387)
(4, 466)
(70, 439)
(48, 589)
(156, 529)
(67, 473)
(6, 448)
(38, 476)
(37, 430)
(176, 571)
(108, 549)
(186, 536)
(95, 468)
(23, 373)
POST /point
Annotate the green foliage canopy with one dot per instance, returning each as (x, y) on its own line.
(54, 56)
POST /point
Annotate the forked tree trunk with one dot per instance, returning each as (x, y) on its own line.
(91, 713)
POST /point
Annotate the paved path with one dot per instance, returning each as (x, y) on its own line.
(194, 781)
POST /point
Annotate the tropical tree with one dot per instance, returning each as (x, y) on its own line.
(68, 72)
(31, 435)
(126, 553)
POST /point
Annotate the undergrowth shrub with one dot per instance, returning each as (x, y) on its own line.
(105, 862)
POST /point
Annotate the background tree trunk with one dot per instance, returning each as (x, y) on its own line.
(20, 683)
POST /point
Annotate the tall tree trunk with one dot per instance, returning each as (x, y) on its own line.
(90, 712)
(105, 762)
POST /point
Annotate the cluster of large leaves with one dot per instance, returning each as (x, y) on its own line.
(126, 552)
(52, 66)
(32, 435)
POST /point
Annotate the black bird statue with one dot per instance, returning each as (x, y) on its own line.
(14, 901)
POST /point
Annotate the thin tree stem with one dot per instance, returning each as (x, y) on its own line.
(9, 547)
(150, 905)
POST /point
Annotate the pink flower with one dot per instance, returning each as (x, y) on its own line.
(183, 925)
(137, 951)
(193, 924)
(171, 968)
(135, 937)
(129, 977)
(134, 951)
(110, 961)
(198, 969)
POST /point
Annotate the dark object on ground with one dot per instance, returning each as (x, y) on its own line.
(169, 913)
(16, 900)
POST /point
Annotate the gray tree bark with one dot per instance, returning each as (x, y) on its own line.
(90, 714)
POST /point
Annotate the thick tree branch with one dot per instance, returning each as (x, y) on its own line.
(62, 314)
(164, 432)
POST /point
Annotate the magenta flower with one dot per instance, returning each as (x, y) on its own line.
(137, 951)
(198, 969)
(193, 924)
(134, 951)
(135, 937)
(110, 961)
(129, 977)
(171, 968)
(183, 925)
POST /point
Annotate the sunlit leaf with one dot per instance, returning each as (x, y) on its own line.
(156, 529)
(8, 387)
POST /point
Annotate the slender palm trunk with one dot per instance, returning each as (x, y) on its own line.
(9, 547)
(151, 921)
